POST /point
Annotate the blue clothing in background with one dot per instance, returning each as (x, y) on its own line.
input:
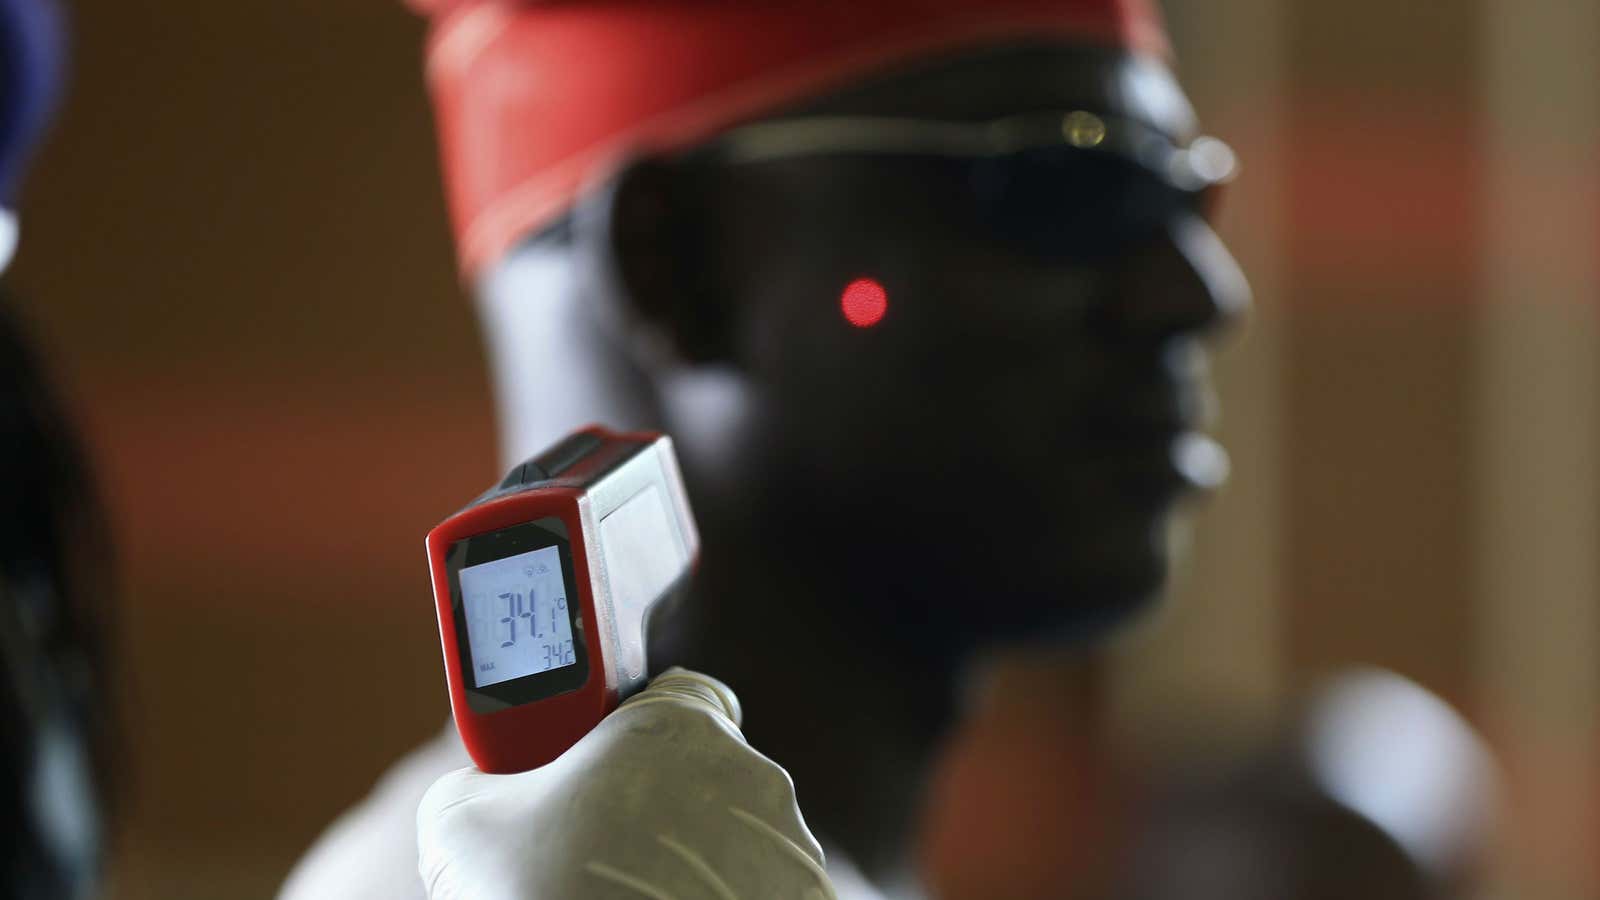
(32, 48)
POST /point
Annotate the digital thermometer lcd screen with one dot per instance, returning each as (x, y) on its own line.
(519, 626)
(516, 614)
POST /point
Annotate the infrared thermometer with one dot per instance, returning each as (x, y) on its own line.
(545, 586)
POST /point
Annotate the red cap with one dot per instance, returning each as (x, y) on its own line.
(538, 100)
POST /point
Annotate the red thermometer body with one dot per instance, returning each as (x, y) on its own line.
(544, 588)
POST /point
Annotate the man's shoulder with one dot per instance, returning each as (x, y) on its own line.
(370, 851)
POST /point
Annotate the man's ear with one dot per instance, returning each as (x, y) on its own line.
(642, 236)
(656, 231)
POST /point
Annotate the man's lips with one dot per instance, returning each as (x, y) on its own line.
(1160, 418)
(1164, 460)
(1158, 427)
(1200, 459)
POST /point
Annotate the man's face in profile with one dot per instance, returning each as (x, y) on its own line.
(998, 455)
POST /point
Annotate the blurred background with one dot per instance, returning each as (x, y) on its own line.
(235, 249)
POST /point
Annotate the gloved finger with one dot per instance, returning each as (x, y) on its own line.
(664, 796)
(730, 827)
(722, 786)
(700, 691)
(721, 853)
(451, 819)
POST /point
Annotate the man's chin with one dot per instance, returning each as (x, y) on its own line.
(1085, 603)
(949, 616)
(944, 589)
(1075, 587)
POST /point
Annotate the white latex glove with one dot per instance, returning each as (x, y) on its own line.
(663, 800)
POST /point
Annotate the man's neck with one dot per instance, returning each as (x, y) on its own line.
(855, 730)
(860, 733)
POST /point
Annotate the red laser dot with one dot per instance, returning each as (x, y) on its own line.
(864, 302)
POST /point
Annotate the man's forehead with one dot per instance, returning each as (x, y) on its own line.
(1005, 81)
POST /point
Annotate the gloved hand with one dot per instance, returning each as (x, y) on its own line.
(664, 799)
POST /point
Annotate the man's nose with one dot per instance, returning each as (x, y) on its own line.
(1186, 282)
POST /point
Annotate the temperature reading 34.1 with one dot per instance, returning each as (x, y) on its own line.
(517, 618)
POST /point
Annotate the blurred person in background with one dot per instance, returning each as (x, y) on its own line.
(54, 556)
(1378, 790)
(920, 286)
